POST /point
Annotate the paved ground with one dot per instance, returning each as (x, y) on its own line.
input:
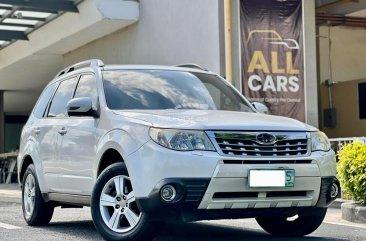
(76, 224)
(10, 193)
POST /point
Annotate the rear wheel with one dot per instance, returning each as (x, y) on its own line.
(36, 211)
(114, 210)
(299, 225)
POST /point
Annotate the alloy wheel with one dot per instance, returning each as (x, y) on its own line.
(29, 195)
(118, 205)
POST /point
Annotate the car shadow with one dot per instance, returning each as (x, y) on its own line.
(217, 232)
(85, 230)
(77, 230)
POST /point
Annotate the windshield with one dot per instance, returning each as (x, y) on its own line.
(166, 89)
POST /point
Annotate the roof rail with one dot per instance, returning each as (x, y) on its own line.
(84, 64)
(193, 66)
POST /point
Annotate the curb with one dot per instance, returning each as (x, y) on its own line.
(338, 203)
(354, 212)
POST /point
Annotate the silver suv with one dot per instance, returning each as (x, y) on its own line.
(146, 144)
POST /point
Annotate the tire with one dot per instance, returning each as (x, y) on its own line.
(301, 226)
(36, 211)
(114, 210)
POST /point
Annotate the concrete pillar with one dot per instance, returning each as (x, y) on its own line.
(236, 44)
(310, 63)
(2, 122)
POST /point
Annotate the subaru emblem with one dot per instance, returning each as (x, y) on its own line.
(266, 139)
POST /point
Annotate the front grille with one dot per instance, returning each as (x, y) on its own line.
(247, 144)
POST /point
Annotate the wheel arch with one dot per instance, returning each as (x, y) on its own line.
(109, 157)
(27, 160)
(115, 145)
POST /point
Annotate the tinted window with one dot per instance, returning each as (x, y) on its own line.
(87, 87)
(63, 94)
(43, 100)
(163, 89)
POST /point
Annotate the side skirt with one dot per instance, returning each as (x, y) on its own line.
(70, 199)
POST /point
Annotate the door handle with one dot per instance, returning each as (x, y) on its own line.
(37, 131)
(62, 131)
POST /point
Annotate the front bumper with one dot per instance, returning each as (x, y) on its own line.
(191, 192)
(223, 181)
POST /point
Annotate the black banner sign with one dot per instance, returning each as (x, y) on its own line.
(272, 55)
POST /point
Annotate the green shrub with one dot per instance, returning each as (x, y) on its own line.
(352, 170)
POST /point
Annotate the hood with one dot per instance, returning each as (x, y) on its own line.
(216, 120)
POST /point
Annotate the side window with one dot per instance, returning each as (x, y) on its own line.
(87, 87)
(43, 100)
(63, 94)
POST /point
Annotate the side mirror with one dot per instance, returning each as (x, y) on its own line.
(261, 108)
(81, 107)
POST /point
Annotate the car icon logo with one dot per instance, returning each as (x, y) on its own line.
(266, 139)
(274, 38)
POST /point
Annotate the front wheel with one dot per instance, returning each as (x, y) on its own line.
(299, 225)
(114, 210)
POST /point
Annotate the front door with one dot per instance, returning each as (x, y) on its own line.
(78, 143)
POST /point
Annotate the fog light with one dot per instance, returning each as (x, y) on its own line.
(168, 193)
(334, 190)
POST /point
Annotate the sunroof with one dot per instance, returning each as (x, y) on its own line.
(20, 19)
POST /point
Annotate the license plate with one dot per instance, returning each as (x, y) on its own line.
(271, 178)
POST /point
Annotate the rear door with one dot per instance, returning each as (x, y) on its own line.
(38, 129)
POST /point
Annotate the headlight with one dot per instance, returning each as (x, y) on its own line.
(181, 140)
(319, 141)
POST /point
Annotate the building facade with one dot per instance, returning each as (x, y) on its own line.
(158, 32)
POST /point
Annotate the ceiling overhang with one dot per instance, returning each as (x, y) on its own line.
(340, 12)
(18, 18)
(26, 66)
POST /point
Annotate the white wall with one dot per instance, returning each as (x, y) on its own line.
(348, 57)
(168, 33)
(348, 53)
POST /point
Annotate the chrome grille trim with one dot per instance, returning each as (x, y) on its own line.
(245, 144)
(255, 162)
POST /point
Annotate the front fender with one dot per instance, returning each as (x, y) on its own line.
(118, 140)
